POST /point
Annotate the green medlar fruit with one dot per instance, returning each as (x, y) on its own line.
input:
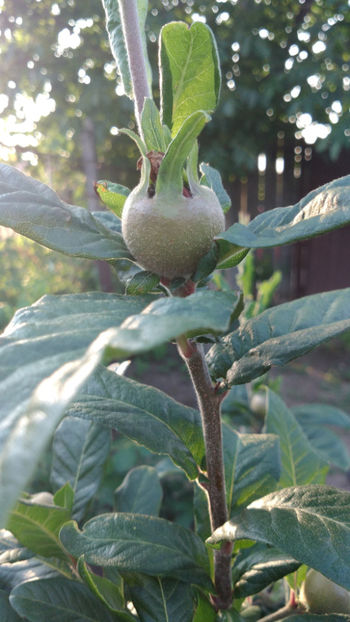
(320, 595)
(169, 235)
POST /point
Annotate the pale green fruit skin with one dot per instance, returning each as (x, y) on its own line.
(320, 595)
(169, 237)
(258, 403)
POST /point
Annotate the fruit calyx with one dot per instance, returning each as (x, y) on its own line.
(168, 229)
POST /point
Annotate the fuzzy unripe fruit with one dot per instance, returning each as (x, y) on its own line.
(251, 614)
(168, 236)
(320, 595)
(258, 403)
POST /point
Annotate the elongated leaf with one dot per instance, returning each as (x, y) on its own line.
(204, 610)
(117, 42)
(59, 599)
(139, 543)
(7, 614)
(321, 415)
(112, 195)
(160, 600)
(11, 550)
(252, 466)
(39, 340)
(144, 414)
(105, 590)
(152, 129)
(12, 574)
(212, 178)
(80, 449)
(201, 512)
(310, 523)
(300, 464)
(190, 72)
(64, 497)
(323, 209)
(36, 525)
(279, 335)
(170, 174)
(141, 283)
(140, 492)
(108, 220)
(258, 566)
(49, 337)
(18, 564)
(168, 318)
(315, 419)
(35, 211)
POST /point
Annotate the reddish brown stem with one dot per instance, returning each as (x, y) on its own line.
(209, 405)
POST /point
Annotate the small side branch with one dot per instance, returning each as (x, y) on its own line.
(209, 404)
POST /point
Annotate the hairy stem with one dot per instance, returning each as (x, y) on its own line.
(133, 41)
(209, 404)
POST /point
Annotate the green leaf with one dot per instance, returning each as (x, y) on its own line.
(117, 42)
(36, 344)
(18, 564)
(152, 128)
(252, 466)
(59, 599)
(204, 610)
(321, 415)
(258, 566)
(227, 258)
(112, 195)
(296, 578)
(137, 140)
(206, 264)
(300, 464)
(7, 614)
(310, 523)
(323, 209)
(141, 283)
(80, 450)
(139, 543)
(140, 492)
(107, 591)
(201, 512)
(144, 414)
(279, 335)
(35, 211)
(160, 600)
(314, 420)
(108, 220)
(12, 574)
(11, 551)
(212, 178)
(64, 497)
(313, 617)
(167, 318)
(36, 522)
(57, 330)
(170, 174)
(190, 72)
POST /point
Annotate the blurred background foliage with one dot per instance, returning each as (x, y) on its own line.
(280, 61)
(286, 72)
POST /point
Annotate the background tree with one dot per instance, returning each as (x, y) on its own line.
(285, 67)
